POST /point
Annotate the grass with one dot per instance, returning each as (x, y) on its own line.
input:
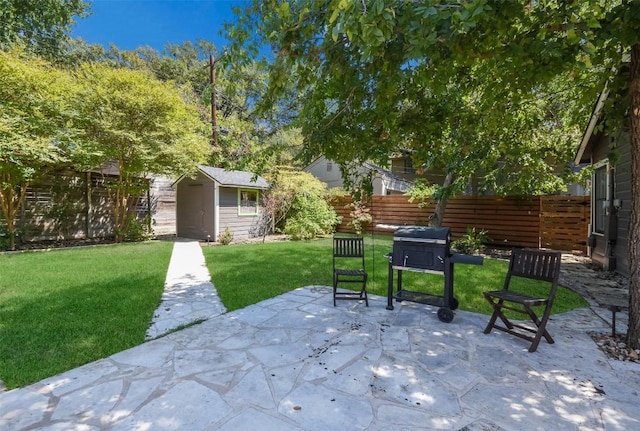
(63, 308)
(248, 273)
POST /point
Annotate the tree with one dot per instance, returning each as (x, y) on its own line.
(246, 140)
(41, 25)
(34, 111)
(381, 77)
(358, 64)
(142, 124)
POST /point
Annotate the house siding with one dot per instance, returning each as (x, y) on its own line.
(602, 251)
(600, 149)
(332, 178)
(623, 193)
(240, 225)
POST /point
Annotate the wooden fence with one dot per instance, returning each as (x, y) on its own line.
(556, 222)
(76, 205)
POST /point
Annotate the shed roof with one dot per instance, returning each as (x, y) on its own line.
(234, 178)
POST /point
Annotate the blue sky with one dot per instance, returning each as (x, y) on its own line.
(133, 23)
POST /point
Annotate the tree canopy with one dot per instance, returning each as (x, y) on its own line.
(34, 116)
(376, 78)
(247, 139)
(460, 82)
(41, 25)
(142, 124)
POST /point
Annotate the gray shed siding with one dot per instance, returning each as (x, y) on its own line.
(195, 208)
(240, 225)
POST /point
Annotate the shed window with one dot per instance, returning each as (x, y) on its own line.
(600, 189)
(247, 202)
(329, 166)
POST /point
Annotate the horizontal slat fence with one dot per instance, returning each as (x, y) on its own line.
(564, 222)
(77, 205)
(557, 222)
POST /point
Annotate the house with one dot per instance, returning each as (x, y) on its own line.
(384, 181)
(217, 199)
(402, 166)
(610, 156)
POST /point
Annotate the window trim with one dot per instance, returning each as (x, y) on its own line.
(253, 213)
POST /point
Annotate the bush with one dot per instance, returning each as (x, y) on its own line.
(360, 217)
(310, 216)
(5, 239)
(226, 237)
(136, 230)
(298, 205)
(472, 242)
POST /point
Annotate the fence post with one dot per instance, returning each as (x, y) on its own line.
(540, 221)
(88, 206)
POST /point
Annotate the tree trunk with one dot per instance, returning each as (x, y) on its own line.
(435, 219)
(9, 206)
(633, 335)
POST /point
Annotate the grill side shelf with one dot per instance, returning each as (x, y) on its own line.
(466, 259)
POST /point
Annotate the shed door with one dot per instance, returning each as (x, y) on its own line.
(191, 212)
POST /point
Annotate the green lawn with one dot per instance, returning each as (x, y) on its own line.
(248, 273)
(63, 308)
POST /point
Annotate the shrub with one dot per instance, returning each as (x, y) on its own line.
(226, 237)
(360, 217)
(135, 230)
(298, 205)
(5, 240)
(472, 242)
(310, 216)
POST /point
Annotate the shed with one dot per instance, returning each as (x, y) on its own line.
(217, 199)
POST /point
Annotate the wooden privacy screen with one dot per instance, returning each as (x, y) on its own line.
(556, 222)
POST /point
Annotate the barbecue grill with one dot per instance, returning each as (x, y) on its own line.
(427, 250)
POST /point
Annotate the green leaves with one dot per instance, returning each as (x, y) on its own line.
(463, 85)
(34, 116)
(42, 26)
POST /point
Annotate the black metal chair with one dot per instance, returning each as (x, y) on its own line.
(348, 267)
(531, 264)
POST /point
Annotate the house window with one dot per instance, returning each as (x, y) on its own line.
(408, 166)
(247, 202)
(599, 197)
(329, 166)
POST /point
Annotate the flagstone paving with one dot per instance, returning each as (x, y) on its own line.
(295, 362)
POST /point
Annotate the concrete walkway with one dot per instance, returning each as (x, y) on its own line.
(189, 296)
(295, 362)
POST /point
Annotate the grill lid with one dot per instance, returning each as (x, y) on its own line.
(427, 234)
